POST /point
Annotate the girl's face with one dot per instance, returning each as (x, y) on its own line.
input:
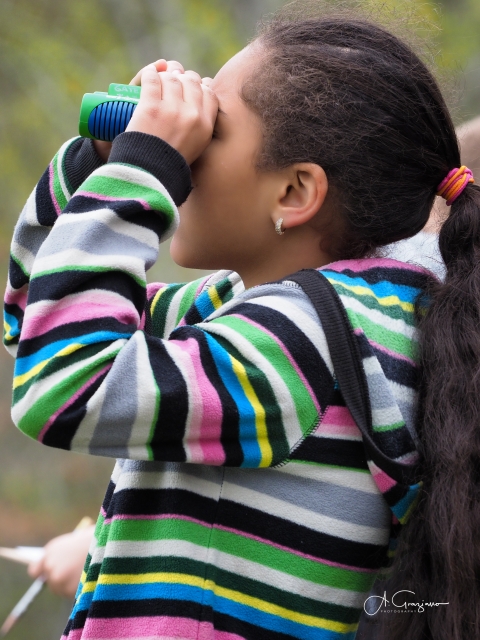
(227, 223)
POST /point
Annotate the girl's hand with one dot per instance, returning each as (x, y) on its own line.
(177, 107)
(103, 148)
(160, 65)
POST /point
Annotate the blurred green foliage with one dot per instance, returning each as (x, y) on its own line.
(51, 53)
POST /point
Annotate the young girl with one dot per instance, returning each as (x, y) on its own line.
(244, 504)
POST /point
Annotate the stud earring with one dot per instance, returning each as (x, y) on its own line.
(278, 227)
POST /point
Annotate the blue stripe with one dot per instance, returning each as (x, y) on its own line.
(403, 505)
(204, 305)
(25, 364)
(248, 431)
(380, 289)
(168, 591)
(12, 322)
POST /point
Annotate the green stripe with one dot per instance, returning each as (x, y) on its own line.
(392, 340)
(117, 188)
(40, 412)
(187, 298)
(389, 427)
(57, 187)
(89, 269)
(237, 545)
(394, 312)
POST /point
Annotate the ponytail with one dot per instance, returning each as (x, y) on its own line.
(439, 556)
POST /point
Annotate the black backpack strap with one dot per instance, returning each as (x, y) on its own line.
(347, 365)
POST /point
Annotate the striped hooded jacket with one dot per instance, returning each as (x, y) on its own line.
(244, 503)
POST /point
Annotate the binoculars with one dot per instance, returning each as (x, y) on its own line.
(103, 116)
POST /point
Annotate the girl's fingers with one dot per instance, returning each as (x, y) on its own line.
(192, 90)
(172, 87)
(160, 65)
(193, 75)
(207, 81)
(177, 108)
(210, 103)
(174, 65)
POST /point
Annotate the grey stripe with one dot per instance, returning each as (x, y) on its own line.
(97, 238)
(119, 408)
(334, 501)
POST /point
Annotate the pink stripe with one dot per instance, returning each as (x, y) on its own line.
(287, 354)
(52, 193)
(158, 627)
(153, 288)
(269, 543)
(338, 421)
(383, 481)
(17, 296)
(369, 263)
(339, 416)
(61, 314)
(97, 196)
(205, 408)
(70, 401)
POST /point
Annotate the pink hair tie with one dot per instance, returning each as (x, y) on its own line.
(454, 184)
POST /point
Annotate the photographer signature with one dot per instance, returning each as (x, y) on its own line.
(420, 606)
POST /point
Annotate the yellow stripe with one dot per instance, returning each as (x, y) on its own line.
(149, 578)
(214, 297)
(223, 592)
(260, 424)
(387, 301)
(156, 299)
(6, 330)
(25, 377)
(281, 612)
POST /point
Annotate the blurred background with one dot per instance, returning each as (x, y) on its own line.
(51, 52)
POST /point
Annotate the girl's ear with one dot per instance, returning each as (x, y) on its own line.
(302, 194)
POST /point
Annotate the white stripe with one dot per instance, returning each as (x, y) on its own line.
(146, 392)
(183, 361)
(84, 434)
(396, 325)
(360, 481)
(23, 255)
(29, 213)
(237, 565)
(74, 258)
(173, 308)
(169, 479)
(61, 177)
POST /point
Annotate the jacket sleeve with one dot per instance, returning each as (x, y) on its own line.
(75, 160)
(232, 390)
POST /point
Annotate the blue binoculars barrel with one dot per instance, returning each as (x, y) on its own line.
(109, 119)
